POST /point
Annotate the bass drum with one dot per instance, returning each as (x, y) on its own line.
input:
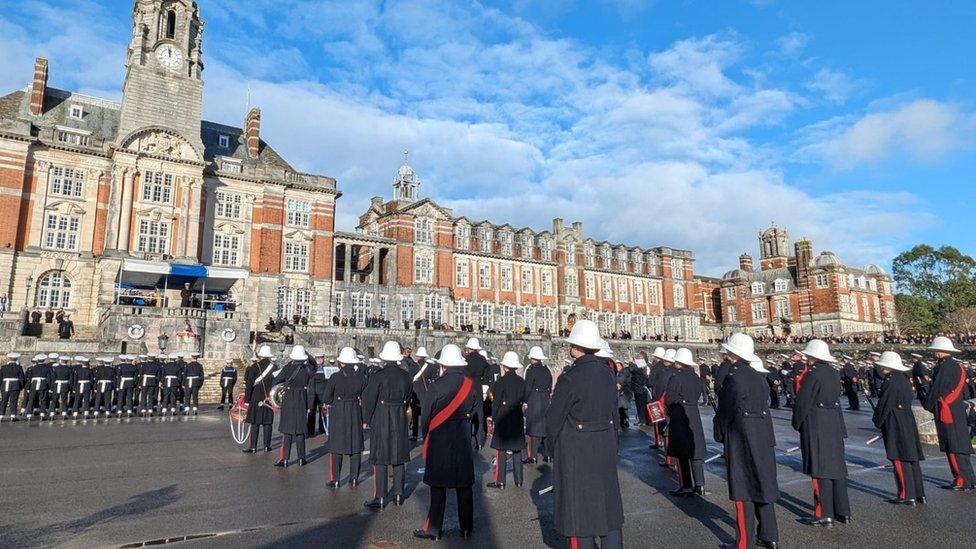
(239, 429)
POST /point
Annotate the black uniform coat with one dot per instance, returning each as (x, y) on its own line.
(893, 415)
(385, 402)
(581, 430)
(43, 371)
(721, 372)
(506, 412)
(131, 373)
(228, 376)
(744, 425)
(62, 373)
(687, 438)
(295, 402)
(818, 418)
(255, 392)
(538, 387)
(195, 370)
(149, 374)
(450, 455)
(342, 393)
(954, 436)
(477, 369)
(625, 395)
(13, 372)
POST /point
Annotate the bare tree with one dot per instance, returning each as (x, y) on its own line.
(962, 321)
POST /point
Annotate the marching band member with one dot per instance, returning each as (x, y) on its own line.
(84, 380)
(538, 388)
(12, 381)
(228, 378)
(893, 415)
(818, 418)
(744, 426)
(343, 391)
(293, 416)
(509, 424)
(452, 400)
(686, 442)
(945, 399)
(581, 430)
(150, 374)
(257, 389)
(192, 382)
(61, 379)
(128, 374)
(385, 401)
(104, 383)
(316, 392)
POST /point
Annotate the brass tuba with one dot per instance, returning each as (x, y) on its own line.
(276, 396)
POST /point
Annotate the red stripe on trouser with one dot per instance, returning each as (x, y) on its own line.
(331, 474)
(281, 451)
(681, 478)
(817, 509)
(498, 465)
(954, 466)
(900, 476)
(573, 542)
(374, 482)
(426, 525)
(740, 521)
(530, 448)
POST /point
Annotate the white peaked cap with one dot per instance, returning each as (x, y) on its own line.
(669, 355)
(658, 352)
(683, 356)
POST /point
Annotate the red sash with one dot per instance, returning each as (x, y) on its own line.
(448, 411)
(945, 413)
(799, 379)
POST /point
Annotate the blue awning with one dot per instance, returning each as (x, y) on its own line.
(152, 274)
(188, 270)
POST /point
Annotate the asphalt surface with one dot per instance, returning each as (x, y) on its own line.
(132, 482)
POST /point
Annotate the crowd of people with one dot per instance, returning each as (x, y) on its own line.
(923, 339)
(78, 387)
(66, 326)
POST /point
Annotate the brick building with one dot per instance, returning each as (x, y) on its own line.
(793, 292)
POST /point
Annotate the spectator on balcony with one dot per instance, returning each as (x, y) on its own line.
(48, 316)
(35, 317)
(186, 295)
(66, 328)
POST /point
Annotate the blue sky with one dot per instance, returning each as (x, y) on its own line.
(687, 123)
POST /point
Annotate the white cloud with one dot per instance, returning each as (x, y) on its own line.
(699, 64)
(792, 43)
(834, 85)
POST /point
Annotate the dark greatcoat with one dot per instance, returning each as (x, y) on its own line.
(744, 425)
(506, 412)
(953, 437)
(893, 415)
(385, 402)
(15, 373)
(818, 418)
(538, 387)
(295, 401)
(687, 438)
(625, 395)
(342, 393)
(450, 455)
(721, 373)
(255, 392)
(581, 430)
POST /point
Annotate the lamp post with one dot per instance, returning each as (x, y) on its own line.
(30, 284)
(162, 341)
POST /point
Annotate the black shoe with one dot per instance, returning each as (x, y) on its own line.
(653, 446)
(952, 487)
(700, 491)
(221, 407)
(529, 460)
(375, 504)
(845, 519)
(398, 500)
(465, 534)
(663, 464)
(825, 522)
(682, 493)
(333, 484)
(249, 450)
(767, 544)
(546, 459)
(896, 501)
(302, 462)
(281, 463)
(354, 483)
(499, 485)
(921, 500)
(518, 484)
(267, 448)
(426, 535)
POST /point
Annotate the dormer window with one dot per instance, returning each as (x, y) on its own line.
(76, 111)
(758, 288)
(224, 141)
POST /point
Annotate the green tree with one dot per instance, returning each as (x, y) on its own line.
(932, 283)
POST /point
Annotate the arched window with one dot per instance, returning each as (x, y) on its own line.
(54, 290)
(170, 24)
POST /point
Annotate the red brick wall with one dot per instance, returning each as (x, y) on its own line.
(12, 179)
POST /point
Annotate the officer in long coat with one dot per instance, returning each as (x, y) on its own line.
(818, 418)
(385, 401)
(660, 390)
(638, 388)
(11, 382)
(150, 375)
(228, 379)
(84, 379)
(893, 415)
(343, 392)
(744, 426)
(316, 392)
(921, 377)
(451, 401)
(509, 423)
(581, 428)
(850, 379)
(257, 388)
(945, 400)
(538, 388)
(295, 402)
(656, 367)
(193, 378)
(686, 437)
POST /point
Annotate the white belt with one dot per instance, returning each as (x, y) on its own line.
(145, 377)
(127, 378)
(6, 383)
(82, 383)
(102, 383)
(38, 381)
(59, 383)
(169, 378)
(189, 382)
(225, 380)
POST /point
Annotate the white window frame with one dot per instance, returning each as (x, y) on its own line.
(228, 205)
(545, 277)
(54, 290)
(76, 111)
(590, 283)
(730, 292)
(462, 313)
(757, 288)
(485, 236)
(677, 268)
(623, 294)
(423, 231)
(407, 310)
(506, 275)
(545, 249)
(572, 283)
(679, 296)
(423, 268)
(157, 187)
(462, 237)
(821, 280)
(783, 308)
(780, 285)
(484, 275)
(67, 181)
(731, 314)
(299, 212)
(759, 311)
(223, 141)
(296, 256)
(639, 292)
(528, 282)
(461, 273)
(61, 232)
(226, 250)
(153, 236)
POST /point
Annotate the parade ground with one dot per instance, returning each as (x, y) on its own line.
(140, 482)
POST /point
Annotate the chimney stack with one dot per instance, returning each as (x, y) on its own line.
(745, 262)
(252, 132)
(38, 86)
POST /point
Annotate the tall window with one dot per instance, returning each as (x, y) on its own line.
(677, 268)
(170, 24)
(406, 309)
(506, 317)
(622, 260)
(730, 292)
(462, 313)
(296, 257)
(434, 309)
(486, 315)
(590, 287)
(361, 306)
(54, 290)
(758, 311)
(337, 303)
(572, 283)
(526, 244)
(506, 276)
(505, 239)
(639, 293)
(605, 257)
(157, 187)
(423, 230)
(545, 249)
(461, 269)
(61, 232)
(783, 308)
(607, 289)
(384, 307)
(731, 314)
(484, 239)
(653, 265)
(67, 181)
(547, 320)
(528, 318)
(679, 296)
(821, 280)
(527, 280)
(827, 330)
(546, 276)
(423, 268)
(228, 205)
(484, 275)
(462, 237)
(589, 256)
(298, 212)
(295, 301)
(226, 250)
(570, 253)
(153, 237)
(622, 292)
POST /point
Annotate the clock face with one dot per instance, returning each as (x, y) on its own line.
(169, 57)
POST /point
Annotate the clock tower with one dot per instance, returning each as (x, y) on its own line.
(163, 86)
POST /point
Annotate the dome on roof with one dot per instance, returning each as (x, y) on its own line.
(405, 172)
(827, 259)
(875, 270)
(733, 274)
